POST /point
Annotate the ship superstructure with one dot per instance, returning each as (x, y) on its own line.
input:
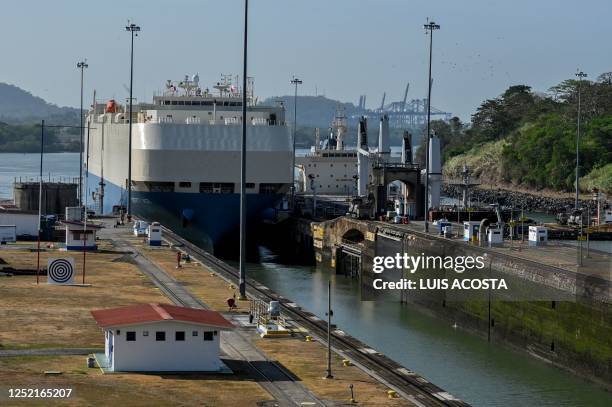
(330, 168)
(186, 158)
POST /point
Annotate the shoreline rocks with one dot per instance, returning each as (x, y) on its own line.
(528, 202)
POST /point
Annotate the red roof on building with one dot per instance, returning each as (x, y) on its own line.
(143, 313)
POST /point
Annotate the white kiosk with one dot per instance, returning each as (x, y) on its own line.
(140, 228)
(495, 236)
(470, 230)
(538, 235)
(154, 232)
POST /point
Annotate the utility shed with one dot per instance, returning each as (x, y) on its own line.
(81, 236)
(161, 338)
(25, 222)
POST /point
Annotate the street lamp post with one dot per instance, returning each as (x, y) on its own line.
(295, 81)
(580, 76)
(133, 29)
(242, 281)
(429, 28)
(81, 65)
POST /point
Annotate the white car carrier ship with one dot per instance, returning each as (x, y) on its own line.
(186, 159)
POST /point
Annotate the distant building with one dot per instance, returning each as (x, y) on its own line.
(161, 337)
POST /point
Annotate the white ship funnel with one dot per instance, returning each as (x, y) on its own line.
(362, 156)
(435, 172)
(383, 136)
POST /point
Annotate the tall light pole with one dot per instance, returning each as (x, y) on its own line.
(243, 212)
(580, 76)
(295, 81)
(133, 29)
(81, 65)
(429, 28)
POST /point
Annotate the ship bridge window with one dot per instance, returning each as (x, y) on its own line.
(269, 188)
(174, 102)
(166, 102)
(196, 103)
(185, 184)
(250, 185)
(217, 187)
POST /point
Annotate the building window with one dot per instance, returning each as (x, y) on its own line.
(208, 335)
(179, 335)
(145, 333)
(130, 336)
(194, 333)
(160, 336)
(118, 332)
(185, 184)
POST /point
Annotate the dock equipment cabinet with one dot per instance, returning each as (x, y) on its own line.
(495, 236)
(154, 233)
(470, 231)
(538, 235)
(443, 224)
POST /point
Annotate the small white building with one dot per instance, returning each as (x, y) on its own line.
(26, 223)
(161, 338)
(81, 236)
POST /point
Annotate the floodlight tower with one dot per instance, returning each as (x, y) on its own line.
(581, 75)
(430, 27)
(133, 29)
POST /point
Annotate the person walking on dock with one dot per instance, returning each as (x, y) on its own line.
(178, 259)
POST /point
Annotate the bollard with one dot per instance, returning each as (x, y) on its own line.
(232, 286)
(346, 362)
(392, 394)
(308, 338)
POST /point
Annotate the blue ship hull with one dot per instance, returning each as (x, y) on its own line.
(209, 220)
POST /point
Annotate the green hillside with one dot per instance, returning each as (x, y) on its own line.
(528, 139)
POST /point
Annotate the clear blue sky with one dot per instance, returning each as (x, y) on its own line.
(344, 48)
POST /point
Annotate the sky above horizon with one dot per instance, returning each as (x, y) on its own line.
(341, 48)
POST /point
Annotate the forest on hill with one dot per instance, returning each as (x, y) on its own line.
(528, 139)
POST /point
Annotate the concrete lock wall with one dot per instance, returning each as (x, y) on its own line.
(147, 354)
(572, 333)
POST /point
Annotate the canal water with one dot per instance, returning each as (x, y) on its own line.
(464, 364)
